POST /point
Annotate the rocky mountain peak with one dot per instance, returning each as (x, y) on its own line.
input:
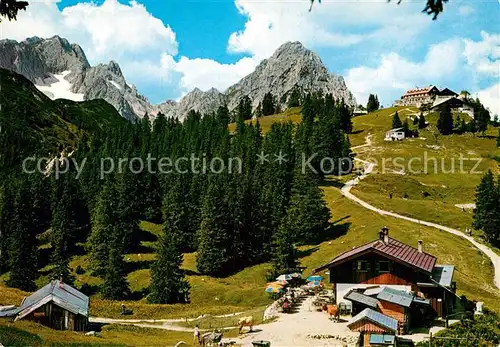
(47, 62)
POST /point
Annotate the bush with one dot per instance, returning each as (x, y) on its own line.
(479, 330)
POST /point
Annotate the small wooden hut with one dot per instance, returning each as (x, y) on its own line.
(58, 306)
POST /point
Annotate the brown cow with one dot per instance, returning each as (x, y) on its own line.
(333, 312)
(246, 322)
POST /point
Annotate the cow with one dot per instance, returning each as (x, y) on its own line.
(333, 311)
(245, 322)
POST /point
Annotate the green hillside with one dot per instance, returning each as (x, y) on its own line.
(32, 124)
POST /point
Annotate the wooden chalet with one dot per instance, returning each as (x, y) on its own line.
(396, 279)
(58, 306)
(371, 324)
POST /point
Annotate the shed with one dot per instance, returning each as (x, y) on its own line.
(369, 320)
(58, 306)
(397, 134)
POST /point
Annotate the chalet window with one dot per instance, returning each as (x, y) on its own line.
(362, 266)
(383, 266)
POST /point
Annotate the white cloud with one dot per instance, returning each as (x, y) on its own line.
(490, 97)
(395, 74)
(484, 55)
(207, 73)
(333, 23)
(106, 32)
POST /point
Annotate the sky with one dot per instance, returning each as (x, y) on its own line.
(168, 47)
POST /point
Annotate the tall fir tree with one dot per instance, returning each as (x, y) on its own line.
(396, 121)
(168, 284)
(115, 286)
(307, 218)
(244, 110)
(445, 121)
(60, 234)
(6, 217)
(487, 212)
(268, 104)
(103, 225)
(214, 256)
(23, 248)
(285, 254)
(421, 121)
(373, 103)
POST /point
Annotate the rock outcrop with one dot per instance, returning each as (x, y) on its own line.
(47, 61)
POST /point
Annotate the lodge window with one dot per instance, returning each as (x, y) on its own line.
(362, 266)
(383, 266)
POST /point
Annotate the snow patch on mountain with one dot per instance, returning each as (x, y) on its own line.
(60, 89)
(115, 84)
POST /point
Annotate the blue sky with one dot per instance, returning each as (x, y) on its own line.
(167, 48)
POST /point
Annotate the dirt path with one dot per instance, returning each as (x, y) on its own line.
(346, 191)
(298, 329)
(165, 324)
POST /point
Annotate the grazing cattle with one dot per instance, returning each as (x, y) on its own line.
(246, 322)
(333, 311)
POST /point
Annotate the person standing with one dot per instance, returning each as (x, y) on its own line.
(196, 336)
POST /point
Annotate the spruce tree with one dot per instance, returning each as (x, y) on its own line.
(268, 104)
(244, 110)
(307, 219)
(396, 121)
(421, 121)
(115, 286)
(23, 251)
(168, 284)
(103, 226)
(373, 103)
(214, 241)
(445, 121)
(6, 216)
(487, 212)
(285, 255)
(60, 234)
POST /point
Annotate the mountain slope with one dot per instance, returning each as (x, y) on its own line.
(32, 124)
(61, 70)
(291, 66)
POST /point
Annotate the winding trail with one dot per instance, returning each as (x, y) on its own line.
(164, 324)
(346, 191)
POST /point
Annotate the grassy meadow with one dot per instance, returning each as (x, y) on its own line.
(427, 196)
(434, 181)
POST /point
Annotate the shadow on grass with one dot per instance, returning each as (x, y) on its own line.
(331, 182)
(137, 265)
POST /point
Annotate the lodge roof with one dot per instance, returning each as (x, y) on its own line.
(395, 296)
(62, 294)
(394, 250)
(417, 91)
(443, 274)
(361, 298)
(375, 317)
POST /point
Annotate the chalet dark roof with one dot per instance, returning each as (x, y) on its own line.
(394, 250)
(62, 294)
(361, 298)
(375, 317)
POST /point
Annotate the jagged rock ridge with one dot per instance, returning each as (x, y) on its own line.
(47, 61)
